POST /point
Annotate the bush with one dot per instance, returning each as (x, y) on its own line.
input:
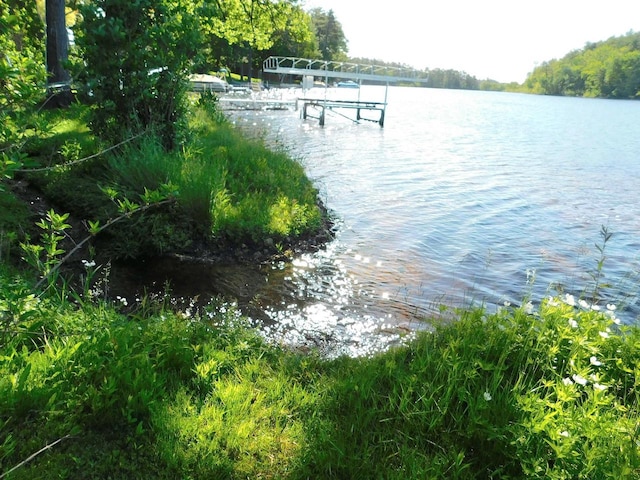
(134, 79)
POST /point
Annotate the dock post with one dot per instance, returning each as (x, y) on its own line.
(304, 111)
(322, 117)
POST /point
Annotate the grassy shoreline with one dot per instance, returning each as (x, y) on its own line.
(155, 393)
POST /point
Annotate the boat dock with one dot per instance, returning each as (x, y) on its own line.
(322, 105)
(323, 70)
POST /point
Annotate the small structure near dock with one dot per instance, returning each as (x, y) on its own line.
(322, 105)
(310, 70)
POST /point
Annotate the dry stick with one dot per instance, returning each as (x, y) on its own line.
(106, 225)
(75, 162)
(24, 462)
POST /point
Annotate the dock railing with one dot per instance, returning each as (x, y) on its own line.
(343, 70)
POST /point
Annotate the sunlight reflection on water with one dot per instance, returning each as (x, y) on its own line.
(452, 202)
(462, 192)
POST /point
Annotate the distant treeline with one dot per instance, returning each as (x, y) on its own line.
(441, 78)
(607, 69)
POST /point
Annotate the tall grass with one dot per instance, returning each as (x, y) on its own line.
(551, 393)
(229, 188)
(259, 192)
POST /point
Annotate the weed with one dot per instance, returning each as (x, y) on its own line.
(598, 274)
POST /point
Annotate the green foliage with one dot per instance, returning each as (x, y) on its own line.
(257, 22)
(331, 40)
(14, 215)
(18, 305)
(258, 192)
(551, 393)
(300, 41)
(608, 69)
(440, 78)
(22, 78)
(46, 255)
(135, 59)
(247, 31)
(226, 188)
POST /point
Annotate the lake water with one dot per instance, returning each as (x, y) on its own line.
(462, 197)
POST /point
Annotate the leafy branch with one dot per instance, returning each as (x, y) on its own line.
(54, 226)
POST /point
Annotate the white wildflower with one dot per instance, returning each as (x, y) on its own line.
(573, 323)
(570, 300)
(487, 396)
(599, 387)
(88, 264)
(528, 308)
(611, 313)
(583, 303)
(564, 433)
(579, 380)
(595, 308)
(604, 334)
(567, 381)
(595, 362)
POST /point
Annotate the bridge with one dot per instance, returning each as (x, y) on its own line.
(342, 70)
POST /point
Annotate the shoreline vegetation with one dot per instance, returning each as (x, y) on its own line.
(92, 389)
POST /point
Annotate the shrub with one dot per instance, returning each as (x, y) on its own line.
(135, 58)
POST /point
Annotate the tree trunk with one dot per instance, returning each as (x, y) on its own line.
(58, 78)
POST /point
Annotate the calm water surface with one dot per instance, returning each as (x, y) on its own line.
(462, 197)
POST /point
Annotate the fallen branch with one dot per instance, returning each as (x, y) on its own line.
(45, 448)
(75, 162)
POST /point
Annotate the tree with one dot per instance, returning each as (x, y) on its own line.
(296, 42)
(57, 53)
(257, 24)
(136, 58)
(609, 69)
(331, 40)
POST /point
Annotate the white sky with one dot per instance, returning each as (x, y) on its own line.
(498, 39)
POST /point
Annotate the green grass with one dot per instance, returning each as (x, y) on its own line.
(551, 393)
(230, 189)
(548, 394)
(259, 193)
